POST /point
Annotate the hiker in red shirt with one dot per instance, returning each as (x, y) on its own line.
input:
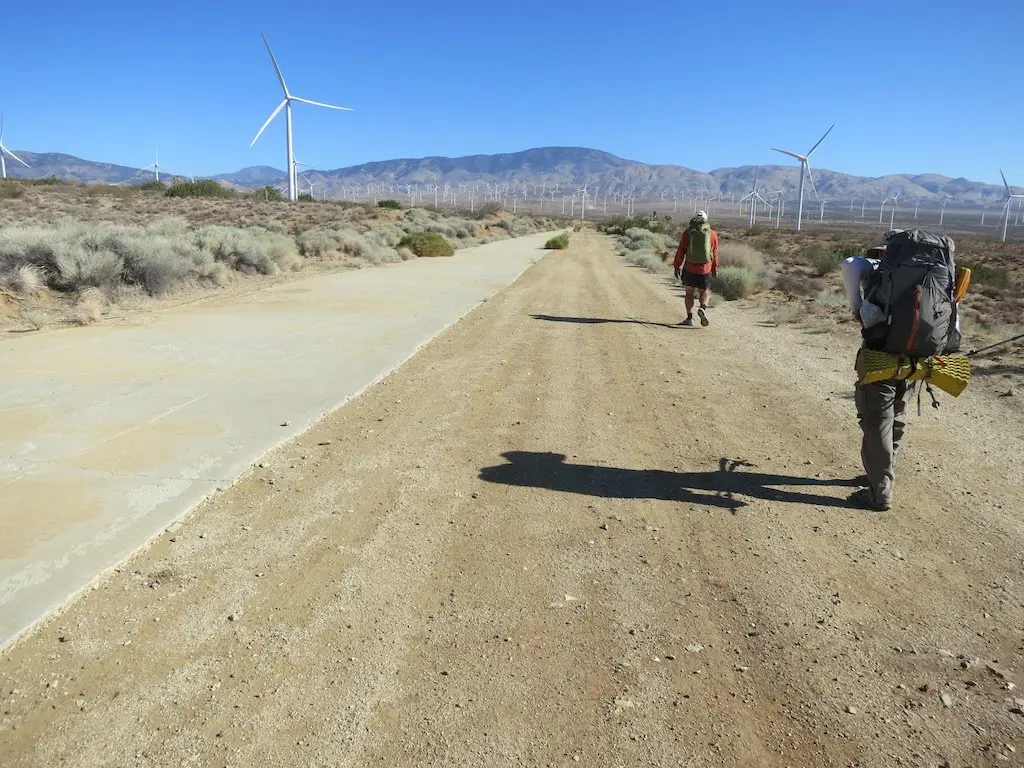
(696, 263)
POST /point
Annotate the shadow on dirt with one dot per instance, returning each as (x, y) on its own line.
(720, 488)
(601, 320)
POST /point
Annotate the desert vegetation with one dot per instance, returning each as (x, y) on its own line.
(558, 242)
(68, 252)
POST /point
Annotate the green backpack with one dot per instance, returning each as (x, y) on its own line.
(698, 249)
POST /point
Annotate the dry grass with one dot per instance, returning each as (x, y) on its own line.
(735, 254)
(88, 307)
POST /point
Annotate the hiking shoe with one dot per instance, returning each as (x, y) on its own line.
(703, 318)
(688, 322)
(863, 498)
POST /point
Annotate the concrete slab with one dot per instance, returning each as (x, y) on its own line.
(109, 434)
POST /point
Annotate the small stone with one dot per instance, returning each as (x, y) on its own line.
(999, 672)
(324, 442)
(851, 710)
(173, 527)
(741, 668)
(604, 526)
(474, 495)
(444, 672)
(695, 648)
(947, 700)
(670, 657)
(235, 616)
(286, 423)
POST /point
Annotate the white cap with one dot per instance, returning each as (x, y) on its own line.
(702, 215)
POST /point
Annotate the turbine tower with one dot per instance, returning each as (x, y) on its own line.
(1010, 197)
(805, 168)
(156, 167)
(286, 105)
(5, 151)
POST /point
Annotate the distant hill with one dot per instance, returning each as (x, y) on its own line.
(563, 169)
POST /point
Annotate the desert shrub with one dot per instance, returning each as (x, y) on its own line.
(735, 254)
(201, 188)
(153, 186)
(558, 242)
(249, 250)
(487, 209)
(88, 307)
(619, 225)
(267, 195)
(10, 190)
(427, 244)
(305, 197)
(639, 239)
(734, 283)
(28, 279)
(826, 262)
(652, 262)
(47, 181)
(390, 204)
(996, 277)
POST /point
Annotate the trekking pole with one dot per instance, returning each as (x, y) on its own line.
(974, 352)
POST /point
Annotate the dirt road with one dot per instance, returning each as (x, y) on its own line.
(565, 533)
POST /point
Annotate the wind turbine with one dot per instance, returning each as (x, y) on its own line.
(804, 168)
(892, 213)
(753, 196)
(1010, 197)
(286, 105)
(5, 151)
(156, 167)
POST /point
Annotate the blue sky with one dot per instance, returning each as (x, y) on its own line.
(913, 85)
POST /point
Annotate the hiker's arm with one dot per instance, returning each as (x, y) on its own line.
(714, 253)
(680, 254)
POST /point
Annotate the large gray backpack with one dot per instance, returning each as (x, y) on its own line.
(914, 286)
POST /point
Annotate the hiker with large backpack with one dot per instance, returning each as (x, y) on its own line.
(696, 263)
(905, 297)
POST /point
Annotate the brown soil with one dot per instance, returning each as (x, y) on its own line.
(566, 532)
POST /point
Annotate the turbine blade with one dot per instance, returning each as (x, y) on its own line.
(810, 177)
(1008, 192)
(821, 139)
(320, 104)
(801, 158)
(269, 120)
(277, 69)
(5, 149)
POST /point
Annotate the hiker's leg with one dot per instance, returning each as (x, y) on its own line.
(689, 300)
(904, 397)
(875, 405)
(705, 297)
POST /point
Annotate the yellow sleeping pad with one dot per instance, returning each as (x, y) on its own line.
(950, 373)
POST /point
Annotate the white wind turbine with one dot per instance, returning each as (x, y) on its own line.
(286, 105)
(5, 151)
(805, 168)
(753, 196)
(155, 166)
(1010, 197)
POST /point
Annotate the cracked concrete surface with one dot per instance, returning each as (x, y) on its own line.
(110, 433)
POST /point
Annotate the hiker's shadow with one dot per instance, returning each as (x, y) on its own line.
(601, 321)
(720, 488)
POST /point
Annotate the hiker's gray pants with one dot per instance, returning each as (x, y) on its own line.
(881, 411)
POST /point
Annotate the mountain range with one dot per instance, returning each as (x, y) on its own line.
(563, 168)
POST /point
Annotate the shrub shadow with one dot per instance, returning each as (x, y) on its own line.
(718, 488)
